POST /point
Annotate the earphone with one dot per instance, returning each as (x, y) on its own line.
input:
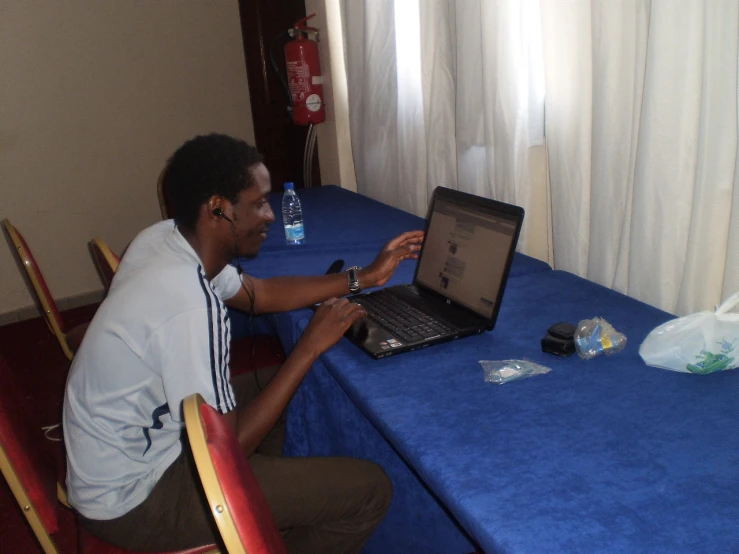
(220, 213)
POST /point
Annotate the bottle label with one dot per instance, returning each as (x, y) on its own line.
(294, 232)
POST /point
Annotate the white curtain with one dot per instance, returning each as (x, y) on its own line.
(443, 92)
(641, 126)
(641, 100)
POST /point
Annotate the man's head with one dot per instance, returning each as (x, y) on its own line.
(215, 174)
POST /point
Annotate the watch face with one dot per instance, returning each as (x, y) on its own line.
(353, 279)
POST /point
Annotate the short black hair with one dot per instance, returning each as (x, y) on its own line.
(204, 166)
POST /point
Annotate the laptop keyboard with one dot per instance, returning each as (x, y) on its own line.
(405, 321)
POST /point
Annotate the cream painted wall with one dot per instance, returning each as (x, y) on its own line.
(94, 97)
(538, 242)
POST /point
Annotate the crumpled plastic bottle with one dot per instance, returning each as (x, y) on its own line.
(596, 336)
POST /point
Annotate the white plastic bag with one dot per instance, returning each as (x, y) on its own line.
(700, 343)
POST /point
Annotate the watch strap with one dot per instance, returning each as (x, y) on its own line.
(353, 276)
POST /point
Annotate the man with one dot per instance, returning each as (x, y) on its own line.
(163, 333)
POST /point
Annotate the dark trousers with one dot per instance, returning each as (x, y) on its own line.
(326, 505)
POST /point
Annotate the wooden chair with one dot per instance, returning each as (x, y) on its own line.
(70, 339)
(165, 204)
(32, 479)
(105, 260)
(236, 500)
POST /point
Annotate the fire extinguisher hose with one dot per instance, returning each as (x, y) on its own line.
(281, 38)
(308, 153)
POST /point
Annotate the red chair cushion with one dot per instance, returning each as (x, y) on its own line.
(244, 497)
(42, 283)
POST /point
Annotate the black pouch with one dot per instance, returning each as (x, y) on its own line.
(560, 339)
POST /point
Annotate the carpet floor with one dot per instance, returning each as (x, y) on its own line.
(40, 369)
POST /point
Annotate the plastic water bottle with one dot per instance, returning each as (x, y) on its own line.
(292, 216)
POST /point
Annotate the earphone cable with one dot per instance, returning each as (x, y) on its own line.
(251, 294)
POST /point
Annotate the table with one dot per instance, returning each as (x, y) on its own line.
(604, 455)
(339, 224)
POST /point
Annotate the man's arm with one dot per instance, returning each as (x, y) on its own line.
(254, 421)
(282, 294)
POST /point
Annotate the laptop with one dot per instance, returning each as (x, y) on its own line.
(459, 281)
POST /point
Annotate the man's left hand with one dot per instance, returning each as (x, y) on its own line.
(403, 247)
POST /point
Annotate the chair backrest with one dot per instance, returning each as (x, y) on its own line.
(165, 202)
(105, 259)
(31, 478)
(236, 500)
(40, 290)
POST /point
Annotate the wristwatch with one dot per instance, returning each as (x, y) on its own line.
(353, 275)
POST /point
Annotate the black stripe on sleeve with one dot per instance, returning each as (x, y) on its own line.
(213, 370)
(222, 348)
(228, 357)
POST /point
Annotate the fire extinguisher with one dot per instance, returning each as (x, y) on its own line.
(303, 83)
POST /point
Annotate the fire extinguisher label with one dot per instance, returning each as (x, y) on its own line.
(313, 103)
(298, 74)
(317, 80)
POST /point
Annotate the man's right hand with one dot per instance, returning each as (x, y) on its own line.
(330, 322)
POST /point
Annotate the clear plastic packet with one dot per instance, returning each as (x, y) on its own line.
(597, 336)
(503, 371)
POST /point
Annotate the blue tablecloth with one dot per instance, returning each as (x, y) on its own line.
(604, 455)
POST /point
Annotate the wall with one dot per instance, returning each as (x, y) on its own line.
(538, 243)
(94, 98)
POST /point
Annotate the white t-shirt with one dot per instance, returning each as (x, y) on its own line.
(161, 334)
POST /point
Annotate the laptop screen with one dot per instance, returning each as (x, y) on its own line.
(466, 252)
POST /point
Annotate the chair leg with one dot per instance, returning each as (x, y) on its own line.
(61, 494)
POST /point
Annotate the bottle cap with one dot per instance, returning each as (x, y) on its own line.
(289, 186)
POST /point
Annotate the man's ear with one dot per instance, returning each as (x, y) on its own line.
(219, 207)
